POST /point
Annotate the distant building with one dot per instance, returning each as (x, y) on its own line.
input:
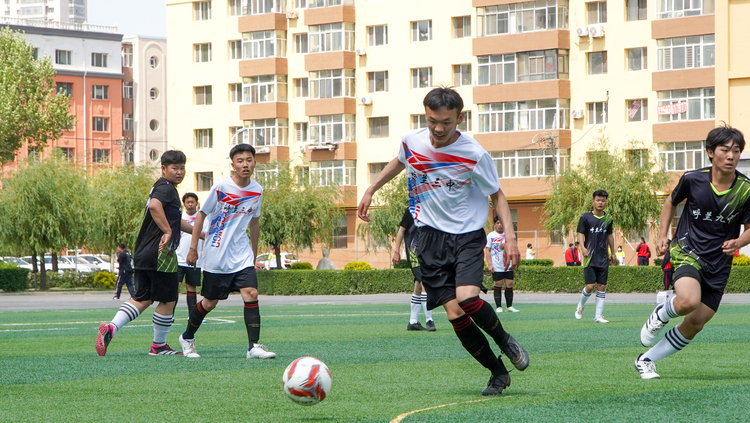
(75, 11)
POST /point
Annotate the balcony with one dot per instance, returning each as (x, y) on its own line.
(266, 155)
(686, 130)
(331, 106)
(330, 60)
(526, 41)
(683, 79)
(267, 66)
(682, 27)
(500, 141)
(331, 151)
(263, 22)
(327, 15)
(269, 110)
(522, 91)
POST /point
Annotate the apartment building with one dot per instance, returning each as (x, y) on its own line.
(73, 11)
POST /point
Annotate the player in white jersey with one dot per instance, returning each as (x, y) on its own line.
(232, 206)
(191, 275)
(450, 177)
(502, 275)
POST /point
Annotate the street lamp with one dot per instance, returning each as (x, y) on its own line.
(239, 131)
(548, 140)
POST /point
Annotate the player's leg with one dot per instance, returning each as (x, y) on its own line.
(118, 287)
(687, 297)
(215, 288)
(129, 284)
(128, 311)
(416, 304)
(509, 292)
(589, 277)
(165, 290)
(497, 290)
(602, 274)
(246, 281)
(430, 324)
(192, 282)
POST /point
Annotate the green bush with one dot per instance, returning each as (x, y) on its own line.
(13, 278)
(301, 266)
(358, 265)
(537, 262)
(402, 264)
(741, 260)
(335, 282)
(105, 279)
(658, 261)
(66, 280)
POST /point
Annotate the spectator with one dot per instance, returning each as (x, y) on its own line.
(644, 253)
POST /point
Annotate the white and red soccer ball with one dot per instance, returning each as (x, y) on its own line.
(307, 381)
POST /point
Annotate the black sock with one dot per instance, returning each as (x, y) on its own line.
(486, 318)
(498, 293)
(195, 320)
(476, 344)
(509, 296)
(252, 322)
(192, 299)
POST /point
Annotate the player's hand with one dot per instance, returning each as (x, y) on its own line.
(396, 257)
(164, 241)
(202, 236)
(490, 268)
(364, 204)
(663, 245)
(511, 254)
(192, 257)
(613, 260)
(730, 246)
(584, 252)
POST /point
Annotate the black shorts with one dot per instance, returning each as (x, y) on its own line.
(498, 276)
(450, 260)
(570, 263)
(712, 286)
(595, 275)
(217, 286)
(417, 272)
(642, 261)
(155, 286)
(191, 275)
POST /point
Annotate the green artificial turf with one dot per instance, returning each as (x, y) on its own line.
(580, 371)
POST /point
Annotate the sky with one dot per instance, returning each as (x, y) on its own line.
(146, 18)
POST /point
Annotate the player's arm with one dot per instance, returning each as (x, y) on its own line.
(186, 227)
(582, 245)
(397, 249)
(254, 227)
(732, 245)
(391, 170)
(156, 209)
(502, 210)
(667, 211)
(613, 252)
(488, 258)
(192, 256)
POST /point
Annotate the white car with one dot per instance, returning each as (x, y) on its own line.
(286, 260)
(76, 263)
(99, 262)
(17, 261)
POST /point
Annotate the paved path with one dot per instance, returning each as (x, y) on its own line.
(87, 300)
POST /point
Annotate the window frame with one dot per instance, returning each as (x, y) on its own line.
(203, 138)
(417, 78)
(641, 115)
(590, 65)
(100, 124)
(201, 10)
(372, 35)
(597, 113)
(376, 78)
(378, 127)
(201, 56)
(417, 31)
(203, 95)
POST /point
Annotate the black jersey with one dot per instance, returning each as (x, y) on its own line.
(708, 219)
(596, 230)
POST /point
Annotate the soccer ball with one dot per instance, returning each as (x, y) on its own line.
(307, 381)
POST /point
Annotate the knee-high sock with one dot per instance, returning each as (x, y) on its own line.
(485, 317)
(498, 294)
(427, 313)
(476, 344)
(672, 342)
(509, 297)
(162, 324)
(252, 322)
(416, 304)
(584, 296)
(126, 314)
(192, 300)
(667, 312)
(600, 295)
(195, 320)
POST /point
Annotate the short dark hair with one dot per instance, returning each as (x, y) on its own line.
(122, 246)
(241, 148)
(528, 245)
(577, 243)
(570, 245)
(722, 135)
(189, 195)
(495, 219)
(173, 157)
(443, 97)
(600, 193)
(643, 240)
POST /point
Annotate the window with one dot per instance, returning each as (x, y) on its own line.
(465, 126)
(204, 138)
(301, 132)
(418, 121)
(65, 88)
(235, 7)
(300, 4)
(333, 172)
(635, 10)
(331, 37)
(375, 169)
(36, 52)
(63, 57)
(421, 78)
(678, 105)
(100, 124)
(678, 8)
(100, 155)
(99, 60)
(302, 174)
(637, 110)
(377, 35)
(528, 163)
(260, 44)
(522, 17)
(235, 139)
(68, 153)
(328, 3)
(682, 155)
(153, 125)
(264, 89)
(204, 181)
(153, 93)
(202, 52)
(100, 92)
(127, 90)
(127, 56)
(332, 83)
(462, 27)
(378, 127)
(496, 69)
(332, 129)
(203, 95)
(637, 158)
(685, 52)
(127, 121)
(267, 132)
(201, 10)
(153, 155)
(421, 31)
(597, 113)
(461, 75)
(340, 233)
(266, 174)
(542, 64)
(637, 59)
(524, 116)
(596, 12)
(301, 88)
(377, 82)
(597, 62)
(235, 50)
(235, 93)
(300, 43)
(262, 7)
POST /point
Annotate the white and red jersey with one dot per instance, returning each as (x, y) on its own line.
(448, 186)
(229, 209)
(185, 238)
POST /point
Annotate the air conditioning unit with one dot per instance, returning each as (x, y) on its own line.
(576, 113)
(263, 150)
(582, 31)
(329, 147)
(291, 15)
(360, 52)
(366, 100)
(596, 31)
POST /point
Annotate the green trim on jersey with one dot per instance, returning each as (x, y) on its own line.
(167, 261)
(717, 192)
(679, 257)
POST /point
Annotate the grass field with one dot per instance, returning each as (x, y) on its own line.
(580, 371)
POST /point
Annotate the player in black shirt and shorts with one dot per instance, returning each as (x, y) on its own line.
(701, 250)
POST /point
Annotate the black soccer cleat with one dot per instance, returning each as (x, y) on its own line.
(415, 326)
(496, 384)
(431, 326)
(515, 352)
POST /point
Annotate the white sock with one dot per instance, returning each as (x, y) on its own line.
(126, 314)
(427, 313)
(667, 312)
(416, 304)
(672, 342)
(584, 296)
(162, 324)
(599, 303)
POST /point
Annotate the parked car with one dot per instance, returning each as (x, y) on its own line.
(17, 261)
(265, 263)
(78, 263)
(98, 261)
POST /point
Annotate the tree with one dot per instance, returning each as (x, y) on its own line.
(295, 213)
(631, 177)
(385, 217)
(29, 108)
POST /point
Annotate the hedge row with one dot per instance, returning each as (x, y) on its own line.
(13, 278)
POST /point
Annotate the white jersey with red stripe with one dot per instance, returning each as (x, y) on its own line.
(185, 239)
(496, 244)
(229, 209)
(448, 186)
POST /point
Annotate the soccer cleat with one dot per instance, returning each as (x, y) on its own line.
(415, 326)
(651, 328)
(579, 312)
(103, 338)
(260, 351)
(430, 326)
(512, 309)
(646, 368)
(496, 384)
(515, 352)
(162, 350)
(499, 310)
(188, 348)
(600, 319)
